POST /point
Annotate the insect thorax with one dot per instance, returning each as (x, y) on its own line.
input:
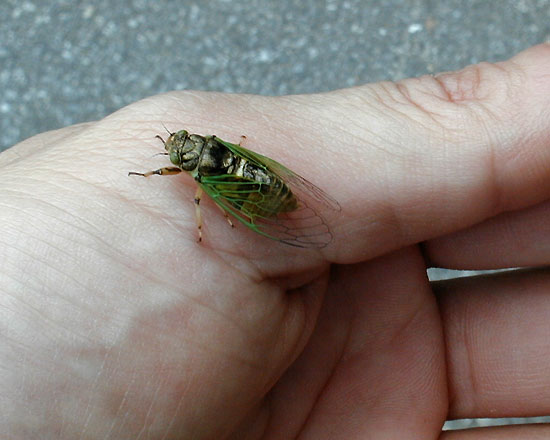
(257, 188)
(215, 158)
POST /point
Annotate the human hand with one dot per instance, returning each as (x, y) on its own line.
(116, 323)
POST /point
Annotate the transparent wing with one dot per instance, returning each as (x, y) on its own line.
(295, 181)
(245, 200)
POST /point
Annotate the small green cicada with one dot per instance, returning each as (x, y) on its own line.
(258, 191)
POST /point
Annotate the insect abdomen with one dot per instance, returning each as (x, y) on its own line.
(270, 199)
(257, 192)
(272, 196)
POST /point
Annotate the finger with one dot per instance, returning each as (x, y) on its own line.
(23, 150)
(532, 432)
(514, 239)
(407, 161)
(441, 153)
(496, 333)
(375, 354)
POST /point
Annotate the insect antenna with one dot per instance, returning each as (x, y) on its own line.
(167, 131)
(160, 137)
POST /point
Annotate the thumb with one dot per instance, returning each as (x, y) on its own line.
(439, 153)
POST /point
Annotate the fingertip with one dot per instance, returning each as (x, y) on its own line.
(535, 56)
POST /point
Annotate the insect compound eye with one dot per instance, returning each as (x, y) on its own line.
(175, 158)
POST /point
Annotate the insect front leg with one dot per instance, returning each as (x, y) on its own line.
(161, 172)
(198, 215)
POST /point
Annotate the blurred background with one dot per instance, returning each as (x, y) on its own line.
(64, 62)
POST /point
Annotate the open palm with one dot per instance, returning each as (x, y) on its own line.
(116, 323)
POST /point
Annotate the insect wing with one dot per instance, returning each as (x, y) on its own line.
(302, 227)
(295, 181)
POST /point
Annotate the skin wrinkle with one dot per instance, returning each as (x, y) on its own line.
(266, 401)
(226, 317)
(167, 219)
(50, 266)
(357, 105)
(468, 344)
(173, 418)
(443, 87)
(207, 349)
(322, 389)
(284, 325)
(231, 319)
(365, 136)
(228, 256)
(475, 90)
(119, 409)
(117, 254)
(159, 280)
(264, 413)
(80, 219)
(510, 231)
(36, 143)
(94, 386)
(369, 137)
(405, 90)
(496, 198)
(471, 91)
(494, 162)
(62, 251)
(516, 79)
(476, 84)
(177, 407)
(396, 334)
(392, 215)
(54, 324)
(462, 85)
(431, 88)
(252, 364)
(393, 110)
(15, 344)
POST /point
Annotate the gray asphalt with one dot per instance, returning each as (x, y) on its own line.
(64, 62)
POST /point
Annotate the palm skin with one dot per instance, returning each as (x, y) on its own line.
(118, 324)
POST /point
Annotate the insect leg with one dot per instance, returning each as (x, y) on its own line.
(161, 172)
(159, 137)
(226, 215)
(198, 215)
(243, 138)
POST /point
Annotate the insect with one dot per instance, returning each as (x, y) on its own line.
(261, 193)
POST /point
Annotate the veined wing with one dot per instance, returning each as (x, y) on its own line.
(241, 197)
(297, 183)
(245, 200)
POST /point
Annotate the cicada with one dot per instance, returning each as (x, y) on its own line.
(261, 193)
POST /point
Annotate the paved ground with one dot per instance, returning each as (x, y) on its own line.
(63, 64)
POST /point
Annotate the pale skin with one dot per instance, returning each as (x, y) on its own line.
(115, 323)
